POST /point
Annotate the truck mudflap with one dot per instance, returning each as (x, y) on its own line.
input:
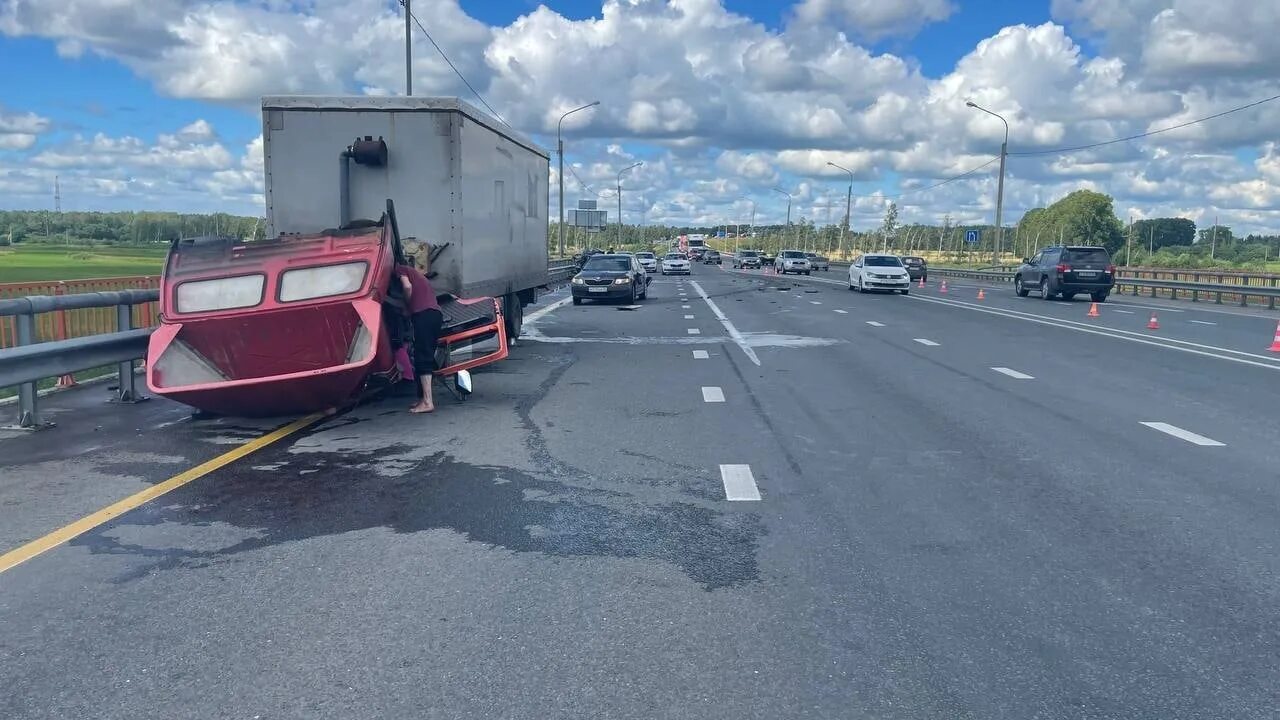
(469, 321)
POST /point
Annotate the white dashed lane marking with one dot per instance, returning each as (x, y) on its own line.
(814, 302)
(684, 307)
(873, 323)
(700, 355)
(926, 341)
(1202, 322)
(688, 317)
(1126, 312)
(695, 331)
(843, 312)
(1013, 373)
(712, 394)
(1181, 434)
(739, 483)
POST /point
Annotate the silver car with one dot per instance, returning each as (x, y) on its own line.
(648, 261)
(676, 264)
(792, 261)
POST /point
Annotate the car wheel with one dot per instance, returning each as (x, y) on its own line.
(807, 273)
(861, 289)
(631, 299)
(904, 292)
(1018, 288)
(577, 301)
(1044, 290)
(1099, 296)
(1068, 296)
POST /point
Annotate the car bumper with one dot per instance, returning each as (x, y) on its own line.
(676, 270)
(795, 268)
(1085, 287)
(611, 292)
(918, 273)
(875, 284)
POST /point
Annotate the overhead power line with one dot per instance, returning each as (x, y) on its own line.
(454, 68)
(1179, 126)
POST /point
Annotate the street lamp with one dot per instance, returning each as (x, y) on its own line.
(751, 229)
(1004, 150)
(784, 192)
(560, 149)
(848, 205)
(629, 167)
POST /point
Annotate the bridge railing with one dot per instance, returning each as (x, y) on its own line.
(67, 324)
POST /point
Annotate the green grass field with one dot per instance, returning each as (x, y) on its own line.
(40, 263)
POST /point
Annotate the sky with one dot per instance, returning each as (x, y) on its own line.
(155, 105)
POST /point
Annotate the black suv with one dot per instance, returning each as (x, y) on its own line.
(1066, 271)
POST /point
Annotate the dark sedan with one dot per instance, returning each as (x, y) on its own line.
(610, 277)
(917, 268)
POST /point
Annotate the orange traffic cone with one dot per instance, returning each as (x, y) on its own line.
(1153, 324)
(921, 281)
(1275, 344)
(1093, 310)
(943, 288)
(981, 295)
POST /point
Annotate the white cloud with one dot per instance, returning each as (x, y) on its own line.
(16, 141)
(874, 19)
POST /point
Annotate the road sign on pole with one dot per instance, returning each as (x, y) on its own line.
(971, 237)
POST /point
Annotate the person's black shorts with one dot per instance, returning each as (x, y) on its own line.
(426, 333)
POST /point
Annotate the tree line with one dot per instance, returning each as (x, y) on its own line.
(120, 228)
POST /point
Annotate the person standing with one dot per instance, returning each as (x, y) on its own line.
(424, 312)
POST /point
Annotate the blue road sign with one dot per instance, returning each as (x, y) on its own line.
(971, 237)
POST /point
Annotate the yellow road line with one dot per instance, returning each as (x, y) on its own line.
(16, 557)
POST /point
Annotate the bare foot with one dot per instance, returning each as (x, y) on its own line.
(420, 408)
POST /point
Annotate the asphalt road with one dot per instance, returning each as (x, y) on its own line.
(960, 514)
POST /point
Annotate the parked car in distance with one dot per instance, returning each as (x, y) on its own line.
(747, 259)
(711, 257)
(792, 261)
(1066, 271)
(818, 262)
(610, 277)
(676, 264)
(766, 260)
(586, 254)
(879, 271)
(917, 267)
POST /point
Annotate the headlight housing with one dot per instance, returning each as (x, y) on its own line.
(622, 281)
(579, 281)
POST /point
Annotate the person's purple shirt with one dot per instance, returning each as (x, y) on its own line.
(423, 296)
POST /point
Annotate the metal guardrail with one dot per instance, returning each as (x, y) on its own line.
(1155, 285)
(560, 272)
(31, 361)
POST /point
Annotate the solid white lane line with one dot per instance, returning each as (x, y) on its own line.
(926, 341)
(1181, 434)
(688, 317)
(1166, 343)
(843, 312)
(1013, 373)
(1126, 312)
(1202, 322)
(739, 483)
(536, 314)
(712, 394)
(814, 302)
(700, 355)
(728, 326)
(873, 323)
(695, 331)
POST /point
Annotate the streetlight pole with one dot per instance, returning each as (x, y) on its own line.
(848, 205)
(1004, 151)
(560, 149)
(629, 167)
(784, 192)
(751, 229)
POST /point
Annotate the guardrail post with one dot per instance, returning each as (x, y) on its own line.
(1271, 300)
(1218, 295)
(28, 394)
(127, 391)
(1195, 294)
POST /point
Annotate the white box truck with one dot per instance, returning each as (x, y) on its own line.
(472, 188)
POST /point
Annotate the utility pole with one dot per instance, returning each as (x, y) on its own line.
(1213, 242)
(408, 49)
(1128, 251)
(1151, 242)
(788, 228)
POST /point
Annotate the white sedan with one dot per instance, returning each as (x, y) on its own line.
(878, 271)
(647, 261)
(675, 264)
